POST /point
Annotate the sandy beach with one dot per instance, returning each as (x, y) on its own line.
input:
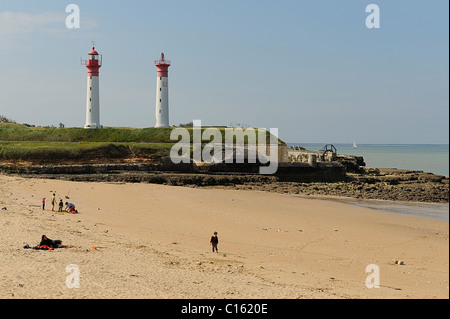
(153, 242)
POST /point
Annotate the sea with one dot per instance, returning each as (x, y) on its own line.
(432, 158)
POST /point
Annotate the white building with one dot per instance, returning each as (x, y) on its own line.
(93, 99)
(162, 92)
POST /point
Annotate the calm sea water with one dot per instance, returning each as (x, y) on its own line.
(433, 158)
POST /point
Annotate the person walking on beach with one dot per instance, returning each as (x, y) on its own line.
(53, 202)
(214, 242)
(43, 203)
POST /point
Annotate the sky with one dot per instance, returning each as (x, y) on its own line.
(312, 69)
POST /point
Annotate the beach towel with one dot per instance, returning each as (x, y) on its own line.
(42, 247)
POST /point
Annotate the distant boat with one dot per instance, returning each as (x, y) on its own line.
(354, 145)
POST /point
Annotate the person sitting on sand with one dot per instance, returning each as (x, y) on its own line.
(72, 210)
(214, 242)
(47, 244)
(51, 244)
(69, 206)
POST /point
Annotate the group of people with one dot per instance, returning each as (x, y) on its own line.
(69, 207)
(49, 244)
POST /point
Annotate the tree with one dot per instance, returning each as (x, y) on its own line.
(4, 119)
(190, 124)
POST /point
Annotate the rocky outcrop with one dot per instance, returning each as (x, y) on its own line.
(292, 178)
(151, 172)
(173, 179)
(353, 164)
(384, 184)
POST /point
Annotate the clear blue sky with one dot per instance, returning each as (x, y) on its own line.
(312, 69)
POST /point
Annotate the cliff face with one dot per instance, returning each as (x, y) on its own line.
(157, 171)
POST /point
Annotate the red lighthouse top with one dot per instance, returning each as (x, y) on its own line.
(94, 63)
(93, 52)
(163, 66)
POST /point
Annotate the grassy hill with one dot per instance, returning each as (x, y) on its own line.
(39, 144)
(20, 132)
(20, 142)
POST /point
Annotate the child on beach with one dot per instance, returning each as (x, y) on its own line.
(53, 202)
(61, 204)
(69, 207)
(43, 203)
(214, 242)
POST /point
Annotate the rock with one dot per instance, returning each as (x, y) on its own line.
(358, 182)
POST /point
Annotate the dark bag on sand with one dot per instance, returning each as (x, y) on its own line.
(57, 244)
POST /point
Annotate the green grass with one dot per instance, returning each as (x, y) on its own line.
(21, 142)
(58, 151)
(19, 132)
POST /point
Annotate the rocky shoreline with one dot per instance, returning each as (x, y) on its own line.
(367, 183)
(397, 185)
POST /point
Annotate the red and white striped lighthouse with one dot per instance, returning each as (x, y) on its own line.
(93, 64)
(162, 92)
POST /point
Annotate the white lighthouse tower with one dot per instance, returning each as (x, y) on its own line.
(93, 64)
(162, 92)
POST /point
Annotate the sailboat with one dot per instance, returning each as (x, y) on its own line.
(354, 145)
